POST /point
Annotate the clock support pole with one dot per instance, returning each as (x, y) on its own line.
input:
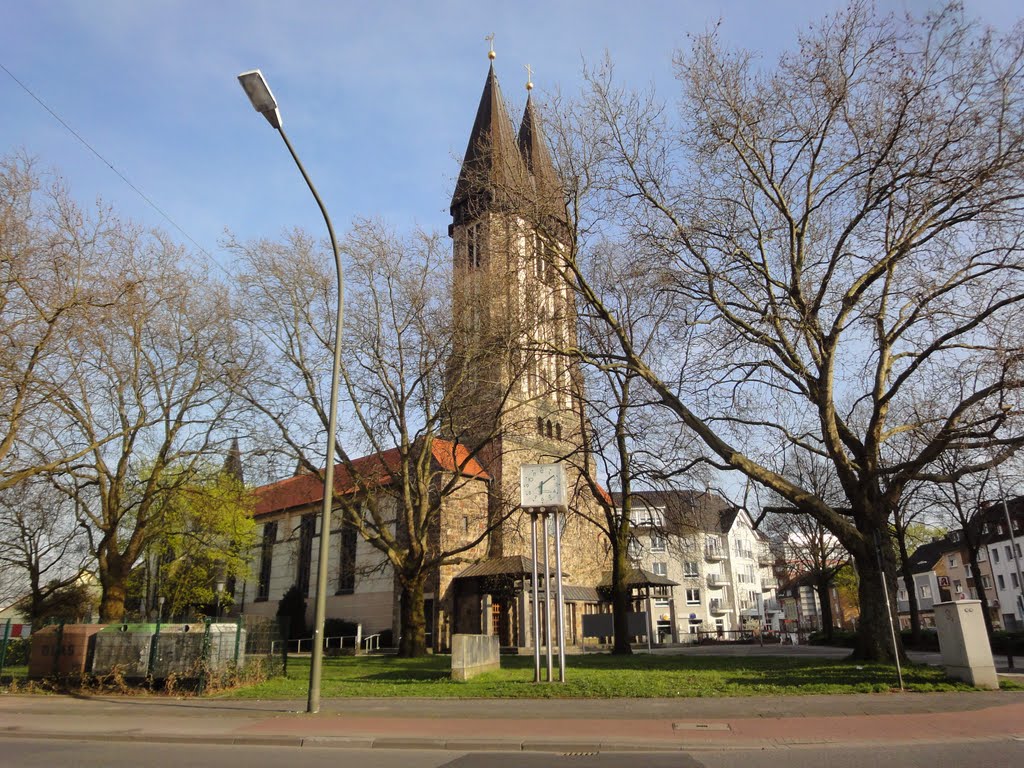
(547, 596)
(542, 630)
(560, 604)
(534, 605)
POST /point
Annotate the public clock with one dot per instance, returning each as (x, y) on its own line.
(542, 485)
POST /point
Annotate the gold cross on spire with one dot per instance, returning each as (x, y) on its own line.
(490, 39)
(529, 77)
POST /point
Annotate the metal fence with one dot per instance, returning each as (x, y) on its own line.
(709, 637)
(355, 643)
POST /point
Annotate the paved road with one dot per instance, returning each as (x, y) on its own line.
(29, 753)
(557, 726)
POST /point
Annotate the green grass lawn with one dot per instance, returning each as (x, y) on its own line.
(598, 676)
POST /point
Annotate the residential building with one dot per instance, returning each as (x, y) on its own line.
(711, 550)
(1005, 558)
(925, 584)
(801, 610)
(941, 573)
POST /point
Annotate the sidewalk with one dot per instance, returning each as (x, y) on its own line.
(538, 725)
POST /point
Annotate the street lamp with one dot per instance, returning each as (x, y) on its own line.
(263, 101)
(219, 587)
(160, 609)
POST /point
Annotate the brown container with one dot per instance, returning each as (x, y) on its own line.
(63, 651)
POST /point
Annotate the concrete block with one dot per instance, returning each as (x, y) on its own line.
(473, 655)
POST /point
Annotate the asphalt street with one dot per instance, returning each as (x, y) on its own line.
(32, 753)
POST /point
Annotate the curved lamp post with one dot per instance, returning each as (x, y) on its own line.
(263, 101)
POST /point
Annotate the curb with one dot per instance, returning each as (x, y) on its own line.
(565, 747)
(382, 742)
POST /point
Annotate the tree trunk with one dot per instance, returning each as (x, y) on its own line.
(112, 602)
(821, 586)
(412, 620)
(874, 633)
(908, 581)
(621, 602)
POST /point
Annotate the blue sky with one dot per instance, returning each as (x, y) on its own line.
(378, 97)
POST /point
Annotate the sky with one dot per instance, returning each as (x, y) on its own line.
(378, 98)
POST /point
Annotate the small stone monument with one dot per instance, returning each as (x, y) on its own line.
(966, 652)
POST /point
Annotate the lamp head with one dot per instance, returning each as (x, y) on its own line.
(259, 94)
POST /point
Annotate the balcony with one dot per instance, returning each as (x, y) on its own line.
(718, 607)
(767, 585)
(714, 555)
(717, 580)
(766, 560)
(771, 606)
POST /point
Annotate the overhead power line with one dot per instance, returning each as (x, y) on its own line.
(110, 165)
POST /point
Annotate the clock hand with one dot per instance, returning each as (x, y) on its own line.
(544, 482)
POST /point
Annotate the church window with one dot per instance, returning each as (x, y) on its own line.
(473, 246)
(347, 563)
(266, 560)
(558, 431)
(540, 426)
(538, 256)
(549, 432)
(307, 529)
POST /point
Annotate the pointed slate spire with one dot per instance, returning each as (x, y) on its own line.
(492, 167)
(233, 462)
(534, 150)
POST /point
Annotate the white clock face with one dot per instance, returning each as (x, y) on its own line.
(542, 485)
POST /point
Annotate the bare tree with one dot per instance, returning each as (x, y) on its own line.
(622, 443)
(149, 393)
(839, 238)
(408, 385)
(41, 543)
(50, 282)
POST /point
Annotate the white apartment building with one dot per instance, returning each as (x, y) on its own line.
(1005, 559)
(721, 564)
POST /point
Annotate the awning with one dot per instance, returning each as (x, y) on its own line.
(516, 565)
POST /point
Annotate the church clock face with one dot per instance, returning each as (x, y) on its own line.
(542, 485)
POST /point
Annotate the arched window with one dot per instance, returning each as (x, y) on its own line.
(549, 428)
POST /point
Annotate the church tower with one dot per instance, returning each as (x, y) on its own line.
(512, 305)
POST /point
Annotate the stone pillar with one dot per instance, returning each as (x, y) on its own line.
(966, 652)
(486, 624)
(524, 638)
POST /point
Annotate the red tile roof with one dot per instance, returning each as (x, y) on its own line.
(375, 470)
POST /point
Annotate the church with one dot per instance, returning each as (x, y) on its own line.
(515, 310)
